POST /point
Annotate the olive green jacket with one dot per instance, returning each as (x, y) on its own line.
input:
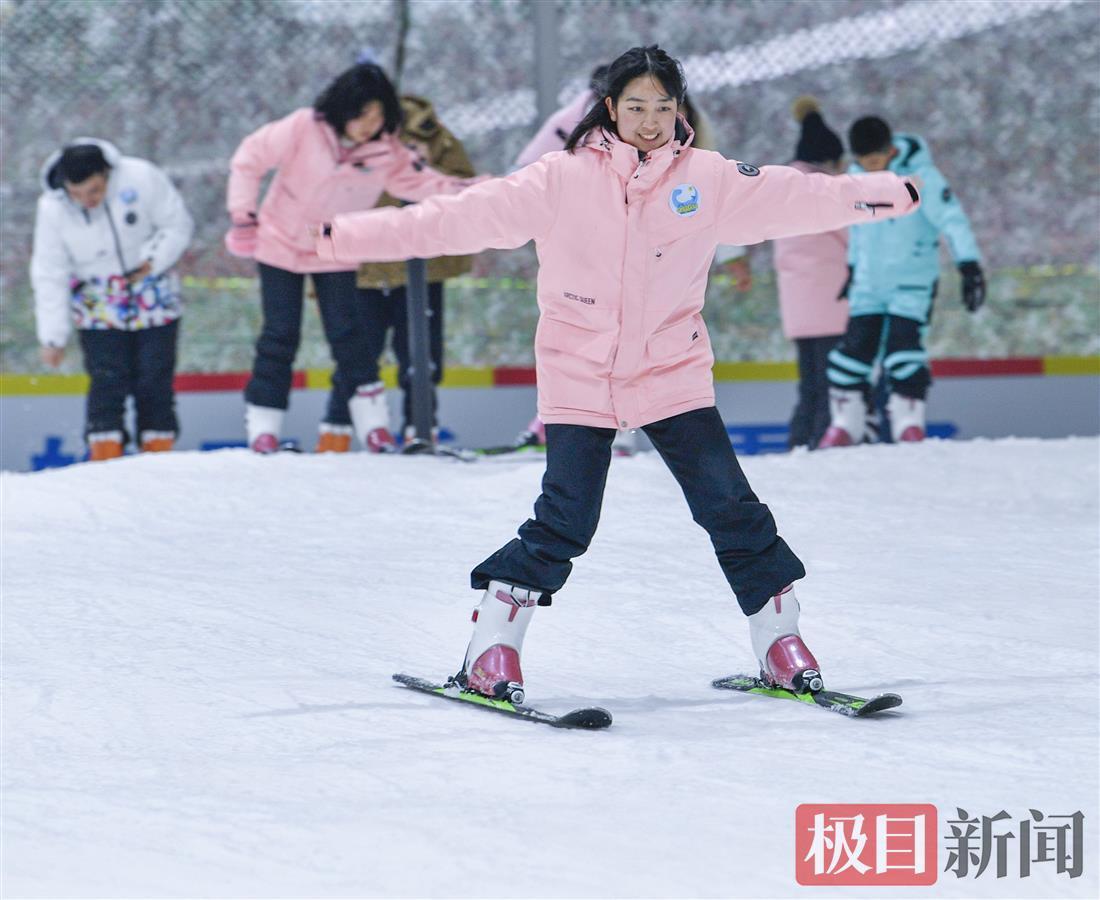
(445, 154)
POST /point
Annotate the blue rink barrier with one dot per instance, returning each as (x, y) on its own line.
(750, 440)
(747, 440)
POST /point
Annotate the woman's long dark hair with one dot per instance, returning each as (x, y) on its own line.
(344, 99)
(635, 63)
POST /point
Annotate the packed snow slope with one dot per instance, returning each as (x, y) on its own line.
(197, 650)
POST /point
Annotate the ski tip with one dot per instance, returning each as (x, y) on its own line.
(878, 704)
(592, 718)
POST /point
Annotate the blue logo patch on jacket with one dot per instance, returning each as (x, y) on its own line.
(684, 200)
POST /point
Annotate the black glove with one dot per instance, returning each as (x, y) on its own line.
(973, 285)
(843, 295)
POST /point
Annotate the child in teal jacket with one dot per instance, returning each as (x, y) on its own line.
(894, 269)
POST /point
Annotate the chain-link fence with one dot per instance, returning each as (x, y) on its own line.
(1005, 91)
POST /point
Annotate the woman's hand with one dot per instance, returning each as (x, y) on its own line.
(242, 237)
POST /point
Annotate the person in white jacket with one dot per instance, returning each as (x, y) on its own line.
(108, 231)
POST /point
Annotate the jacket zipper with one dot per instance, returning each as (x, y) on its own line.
(129, 316)
(637, 171)
(860, 204)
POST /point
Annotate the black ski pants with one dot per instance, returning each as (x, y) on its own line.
(281, 295)
(900, 344)
(141, 364)
(810, 418)
(387, 310)
(757, 562)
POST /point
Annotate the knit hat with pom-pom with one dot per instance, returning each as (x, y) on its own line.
(818, 142)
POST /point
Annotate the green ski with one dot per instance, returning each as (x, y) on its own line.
(591, 718)
(834, 701)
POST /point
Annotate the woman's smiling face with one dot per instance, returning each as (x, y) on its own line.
(645, 114)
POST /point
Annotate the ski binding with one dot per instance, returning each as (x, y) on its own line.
(590, 718)
(834, 701)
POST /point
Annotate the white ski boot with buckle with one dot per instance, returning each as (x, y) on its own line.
(370, 418)
(263, 424)
(848, 413)
(491, 667)
(785, 660)
(906, 419)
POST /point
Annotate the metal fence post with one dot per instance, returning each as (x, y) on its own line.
(420, 371)
(546, 57)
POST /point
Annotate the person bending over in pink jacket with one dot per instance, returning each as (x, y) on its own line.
(625, 222)
(340, 155)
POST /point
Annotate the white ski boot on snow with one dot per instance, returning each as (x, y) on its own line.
(848, 415)
(263, 424)
(784, 658)
(370, 418)
(906, 419)
(491, 667)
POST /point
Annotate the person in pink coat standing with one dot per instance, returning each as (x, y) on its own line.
(555, 131)
(812, 277)
(625, 221)
(340, 155)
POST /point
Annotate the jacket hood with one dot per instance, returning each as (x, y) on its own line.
(47, 175)
(913, 154)
(624, 156)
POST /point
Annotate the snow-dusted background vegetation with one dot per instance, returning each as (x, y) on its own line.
(1006, 93)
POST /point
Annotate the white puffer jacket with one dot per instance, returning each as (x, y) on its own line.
(81, 256)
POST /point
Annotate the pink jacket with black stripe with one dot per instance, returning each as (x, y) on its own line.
(624, 246)
(316, 178)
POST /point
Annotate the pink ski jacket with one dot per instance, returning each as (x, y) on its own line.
(556, 129)
(624, 246)
(316, 179)
(810, 272)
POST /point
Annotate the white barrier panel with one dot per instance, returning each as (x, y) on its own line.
(44, 429)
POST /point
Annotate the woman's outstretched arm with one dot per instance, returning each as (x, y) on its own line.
(501, 214)
(780, 201)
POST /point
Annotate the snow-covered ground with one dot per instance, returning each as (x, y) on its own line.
(197, 652)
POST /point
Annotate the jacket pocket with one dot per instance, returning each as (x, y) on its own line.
(573, 366)
(670, 345)
(564, 337)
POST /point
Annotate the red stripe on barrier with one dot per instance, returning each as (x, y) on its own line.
(198, 382)
(970, 368)
(211, 382)
(517, 376)
(513, 375)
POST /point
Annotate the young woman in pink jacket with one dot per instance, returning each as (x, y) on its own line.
(625, 222)
(338, 156)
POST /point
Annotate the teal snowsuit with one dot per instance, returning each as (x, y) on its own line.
(896, 262)
(895, 268)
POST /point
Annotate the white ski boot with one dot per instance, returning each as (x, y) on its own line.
(625, 443)
(784, 658)
(906, 419)
(263, 424)
(370, 417)
(848, 411)
(500, 621)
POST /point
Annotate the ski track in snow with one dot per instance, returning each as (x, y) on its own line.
(197, 652)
